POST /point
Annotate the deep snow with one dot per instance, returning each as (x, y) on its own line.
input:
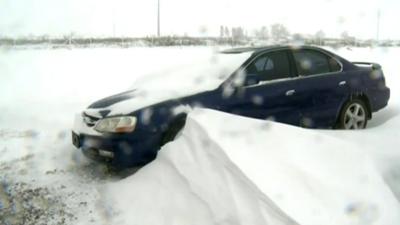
(193, 181)
(223, 169)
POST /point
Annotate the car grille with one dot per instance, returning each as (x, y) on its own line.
(90, 120)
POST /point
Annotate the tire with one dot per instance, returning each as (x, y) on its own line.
(353, 116)
(173, 129)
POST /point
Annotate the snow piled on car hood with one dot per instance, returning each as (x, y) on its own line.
(202, 75)
(226, 169)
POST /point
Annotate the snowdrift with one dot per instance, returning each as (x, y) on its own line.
(192, 182)
(225, 169)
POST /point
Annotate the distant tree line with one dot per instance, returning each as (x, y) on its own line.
(279, 34)
(234, 36)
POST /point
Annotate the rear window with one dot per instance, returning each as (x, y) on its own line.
(310, 62)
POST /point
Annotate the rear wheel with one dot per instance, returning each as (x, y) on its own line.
(354, 115)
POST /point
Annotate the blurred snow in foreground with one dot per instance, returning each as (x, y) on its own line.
(223, 169)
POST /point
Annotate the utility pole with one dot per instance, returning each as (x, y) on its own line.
(378, 26)
(113, 28)
(113, 21)
(158, 19)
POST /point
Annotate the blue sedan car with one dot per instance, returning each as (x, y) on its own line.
(303, 86)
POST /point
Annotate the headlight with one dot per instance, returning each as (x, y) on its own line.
(124, 124)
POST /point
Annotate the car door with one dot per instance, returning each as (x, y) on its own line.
(268, 90)
(321, 87)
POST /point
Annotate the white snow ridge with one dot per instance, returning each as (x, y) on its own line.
(193, 182)
(217, 178)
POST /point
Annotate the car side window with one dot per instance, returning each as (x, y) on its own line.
(271, 66)
(334, 65)
(310, 62)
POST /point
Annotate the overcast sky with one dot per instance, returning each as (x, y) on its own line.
(196, 17)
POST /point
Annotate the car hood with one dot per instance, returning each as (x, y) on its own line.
(171, 84)
(111, 100)
(130, 101)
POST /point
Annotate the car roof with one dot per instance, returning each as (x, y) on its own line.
(256, 50)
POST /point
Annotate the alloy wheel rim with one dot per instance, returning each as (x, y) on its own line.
(355, 117)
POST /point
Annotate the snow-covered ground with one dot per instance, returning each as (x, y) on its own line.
(222, 169)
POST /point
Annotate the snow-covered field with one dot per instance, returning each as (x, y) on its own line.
(222, 169)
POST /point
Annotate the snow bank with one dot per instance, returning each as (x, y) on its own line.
(314, 177)
(226, 169)
(192, 182)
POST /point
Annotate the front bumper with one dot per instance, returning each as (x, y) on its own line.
(119, 150)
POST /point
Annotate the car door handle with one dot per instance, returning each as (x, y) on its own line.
(342, 83)
(290, 92)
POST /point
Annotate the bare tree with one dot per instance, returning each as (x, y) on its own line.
(279, 32)
(262, 33)
(320, 36)
(222, 32)
(237, 33)
(347, 39)
(298, 38)
(227, 34)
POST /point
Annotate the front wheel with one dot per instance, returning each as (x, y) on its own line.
(354, 115)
